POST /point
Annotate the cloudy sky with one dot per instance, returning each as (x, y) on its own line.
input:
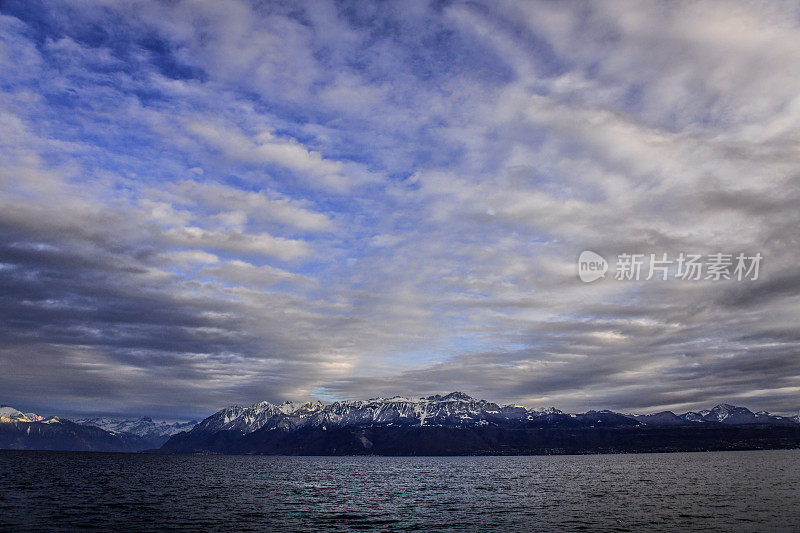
(208, 203)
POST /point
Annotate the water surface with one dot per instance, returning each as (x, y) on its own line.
(715, 491)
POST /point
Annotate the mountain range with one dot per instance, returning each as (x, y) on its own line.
(450, 424)
(26, 431)
(459, 424)
(9, 414)
(155, 432)
(723, 413)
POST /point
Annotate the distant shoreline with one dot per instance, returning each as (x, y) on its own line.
(574, 454)
(448, 441)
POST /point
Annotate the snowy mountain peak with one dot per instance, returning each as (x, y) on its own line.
(145, 427)
(9, 414)
(693, 417)
(393, 399)
(547, 411)
(289, 408)
(455, 408)
(725, 411)
(453, 396)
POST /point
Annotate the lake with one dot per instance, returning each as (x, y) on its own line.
(712, 491)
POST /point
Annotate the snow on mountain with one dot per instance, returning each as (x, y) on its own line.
(545, 410)
(723, 414)
(145, 427)
(9, 414)
(454, 409)
(725, 411)
(289, 408)
(155, 431)
(236, 418)
(693, 417)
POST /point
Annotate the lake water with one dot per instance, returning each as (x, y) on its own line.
(716, 491)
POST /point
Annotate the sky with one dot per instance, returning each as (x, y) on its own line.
(210, 203)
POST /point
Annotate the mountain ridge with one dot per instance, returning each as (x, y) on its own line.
(264, 427)
(157, 432)
(268, 428)
(20, 430)
(454, 408)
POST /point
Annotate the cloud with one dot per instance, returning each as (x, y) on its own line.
(225, 204)
(260, 205)
(266, 148)
(237, 242)
(242, 272)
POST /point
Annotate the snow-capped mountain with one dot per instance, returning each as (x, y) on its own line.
(338, 427)
(454, 409)
(456, 424)
(723, 413)
(9, 414)
(457, 408)
(20, 430)
(29, 431)
(691, 417)
(729, 414)
(156, 431)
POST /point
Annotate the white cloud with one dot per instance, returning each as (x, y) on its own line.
(242, 272)
(237, 242)
(259, 205)
(266, 148)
